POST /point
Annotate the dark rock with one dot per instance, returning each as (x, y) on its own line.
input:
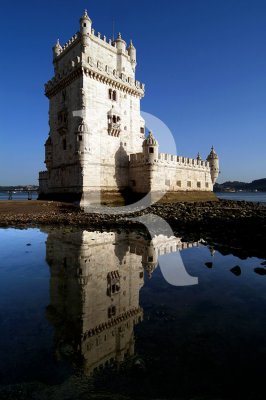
(260, 271)
(236, 270)
(208, 264)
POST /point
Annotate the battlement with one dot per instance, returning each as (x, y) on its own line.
(180, 160)
(43, 175)
(99, 70)
(73, 40)
(169, 159)
(136, 158)
(110, 44)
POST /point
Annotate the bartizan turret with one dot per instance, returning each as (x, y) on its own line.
(57, 49)
(120, 44)
(82, 149)
(85, 28)
(150, 148)
(132, 55)
(214, 164)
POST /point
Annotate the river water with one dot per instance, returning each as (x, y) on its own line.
(255, 197)
(18, 196)
(258, 197)
(151, 319)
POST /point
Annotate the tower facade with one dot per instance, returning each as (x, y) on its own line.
(94, 115)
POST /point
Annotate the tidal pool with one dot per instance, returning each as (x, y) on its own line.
(152, 319)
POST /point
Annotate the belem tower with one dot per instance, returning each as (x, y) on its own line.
(97, 137)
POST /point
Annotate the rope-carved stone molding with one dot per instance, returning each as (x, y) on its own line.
(54, 86)
(113, 321)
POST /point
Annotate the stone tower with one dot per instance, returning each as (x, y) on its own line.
(96, 143)
(94, 116)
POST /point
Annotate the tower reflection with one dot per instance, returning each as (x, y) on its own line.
(95, 283)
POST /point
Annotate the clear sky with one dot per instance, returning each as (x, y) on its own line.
(203, 63)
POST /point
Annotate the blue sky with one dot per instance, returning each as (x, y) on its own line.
(203, 63)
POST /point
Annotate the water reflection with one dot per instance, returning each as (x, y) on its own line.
(95, 281)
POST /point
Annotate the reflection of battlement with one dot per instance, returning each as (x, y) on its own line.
(94, 291)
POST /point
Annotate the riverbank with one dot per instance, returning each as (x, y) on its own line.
(227, 224)
(32, 213)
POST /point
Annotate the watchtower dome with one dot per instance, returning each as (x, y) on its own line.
(85, 30)
(214, 164)
(150, 147)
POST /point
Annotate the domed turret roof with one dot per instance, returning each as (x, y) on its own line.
(85, 16)
(213, 155)
(150, 140)
(131, 46)
(119, 37)
(57, 45)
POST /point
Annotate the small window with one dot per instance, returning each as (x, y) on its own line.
(110, 94)
(111, 311)
(150, 259)
(198, 184)
(64, 144)
(114, 95)
(188, 183)
(141, 129)
(80, 138)
(207, 184)
(84, 25)
(178, 183)
(151, 150)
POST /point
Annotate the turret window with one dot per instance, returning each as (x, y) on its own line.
(84, 25)
(151, 150)
(80, 138)
(112, 94)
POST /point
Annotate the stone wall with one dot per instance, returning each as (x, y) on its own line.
(169, 173)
